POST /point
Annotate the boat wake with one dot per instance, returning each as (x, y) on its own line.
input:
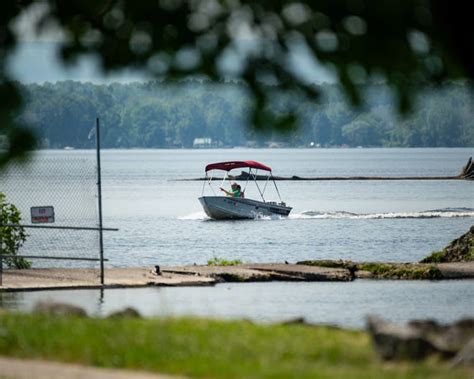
(436, 213)
(203, 217)
(195, 216)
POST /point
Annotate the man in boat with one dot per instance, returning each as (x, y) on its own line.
(234, 192)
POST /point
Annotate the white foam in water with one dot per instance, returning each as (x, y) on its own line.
(438, 213)
(195, 216)
(268, 218)
(202, 216)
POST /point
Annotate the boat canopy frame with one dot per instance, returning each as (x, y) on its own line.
(252, 173)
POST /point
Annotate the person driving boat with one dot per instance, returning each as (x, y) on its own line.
(235, 191)
(235, 206)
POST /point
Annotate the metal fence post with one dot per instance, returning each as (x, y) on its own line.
(99, 189)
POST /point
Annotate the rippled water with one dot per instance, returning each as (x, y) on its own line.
(161, 222)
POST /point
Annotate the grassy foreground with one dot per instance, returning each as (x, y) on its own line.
(206, 348)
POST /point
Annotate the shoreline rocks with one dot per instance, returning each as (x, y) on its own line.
(381, 270)
(57, 309)
(420, 339)
(459, 250)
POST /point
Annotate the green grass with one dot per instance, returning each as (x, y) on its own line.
(383, 270)
(441, 256)
(401, 271)
(435, 257)
(207, 348)
(223, 262)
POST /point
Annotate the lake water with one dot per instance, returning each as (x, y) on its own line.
(161, 222)
(343, 304)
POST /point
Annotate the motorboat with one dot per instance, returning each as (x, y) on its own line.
(235, 205)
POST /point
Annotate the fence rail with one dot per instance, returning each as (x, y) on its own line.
(60, 227)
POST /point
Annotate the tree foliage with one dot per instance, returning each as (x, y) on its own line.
(11, 237)
(169, 114)
(408, 43)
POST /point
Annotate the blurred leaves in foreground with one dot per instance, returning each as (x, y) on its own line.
(406, 44)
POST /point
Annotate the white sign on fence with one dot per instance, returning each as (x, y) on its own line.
(42, 214)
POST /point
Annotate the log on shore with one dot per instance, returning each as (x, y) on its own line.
(467, 173)
(468, 170)
(242, 177)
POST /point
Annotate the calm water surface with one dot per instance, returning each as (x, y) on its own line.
(161, 222)
(343, 304)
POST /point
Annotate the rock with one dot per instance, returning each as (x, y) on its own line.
(294, 321)
(362, 274)
(50, 308)
(425, 326)
(460, 333)
(465, 357)
(125, 313)
(459, 250)
(448, 339)
(420, 338)
(398, 342)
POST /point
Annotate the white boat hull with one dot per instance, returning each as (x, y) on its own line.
(235, 208)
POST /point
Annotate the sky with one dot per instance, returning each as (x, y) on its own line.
(38, 62)
(36, 58)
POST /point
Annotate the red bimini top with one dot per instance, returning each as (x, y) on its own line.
(227, 166)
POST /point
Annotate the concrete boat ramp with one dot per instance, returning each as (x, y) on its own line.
(264, 272)
(194, 275)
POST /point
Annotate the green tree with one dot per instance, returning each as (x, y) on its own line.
(365, 130)
(171, 114)
(12, 237)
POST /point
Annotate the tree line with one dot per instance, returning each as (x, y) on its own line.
(170, 114)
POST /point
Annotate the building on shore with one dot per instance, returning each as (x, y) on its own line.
(205, 142)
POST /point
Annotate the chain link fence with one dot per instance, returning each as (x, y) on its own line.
(56, 192)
